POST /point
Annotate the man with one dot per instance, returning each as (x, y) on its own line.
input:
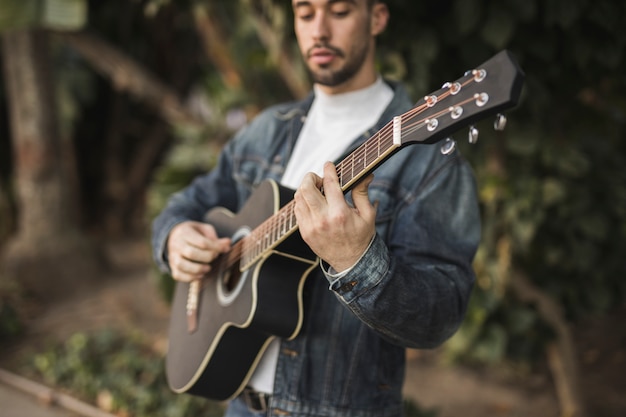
(395, 253)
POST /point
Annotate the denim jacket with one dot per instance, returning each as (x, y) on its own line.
(410, 288)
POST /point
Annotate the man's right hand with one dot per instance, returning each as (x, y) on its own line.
(191, 247)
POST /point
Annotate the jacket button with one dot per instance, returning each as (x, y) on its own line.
(290, 352)
(347, 286)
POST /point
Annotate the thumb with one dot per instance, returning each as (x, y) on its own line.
(205, 229)
(208, 231)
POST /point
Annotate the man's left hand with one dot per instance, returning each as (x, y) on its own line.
(337, 232)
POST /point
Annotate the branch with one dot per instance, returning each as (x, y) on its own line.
(216, 46)
(128, 75)
(562, 353)
(278, 52)
(50, 396)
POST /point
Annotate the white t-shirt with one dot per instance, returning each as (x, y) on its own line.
(333, 123)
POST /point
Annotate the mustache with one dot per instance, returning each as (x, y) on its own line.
(331, 48)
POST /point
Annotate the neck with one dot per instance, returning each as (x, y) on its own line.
(348, 86)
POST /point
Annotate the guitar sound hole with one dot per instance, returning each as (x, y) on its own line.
(230, 279)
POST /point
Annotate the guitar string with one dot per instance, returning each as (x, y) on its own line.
(276, 227)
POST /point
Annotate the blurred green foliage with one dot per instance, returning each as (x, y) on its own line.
(119, 373)
(11, 324)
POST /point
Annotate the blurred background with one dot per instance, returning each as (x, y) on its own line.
(106, 108)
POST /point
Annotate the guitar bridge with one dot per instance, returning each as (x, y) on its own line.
(193, 296)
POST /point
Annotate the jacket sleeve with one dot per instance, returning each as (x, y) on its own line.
(412, 286)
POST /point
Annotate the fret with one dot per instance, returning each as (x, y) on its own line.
(284, 224)
(267, 242)
(292, 218)
(245, 252)
(256, 248)
(352, 165)
(364, 158)
(274, 234)
(375, 151)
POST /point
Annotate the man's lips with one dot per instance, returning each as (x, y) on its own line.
(323, 55)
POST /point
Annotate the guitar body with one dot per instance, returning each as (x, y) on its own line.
(238, 312)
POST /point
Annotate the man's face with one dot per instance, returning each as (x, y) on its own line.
(335, 38)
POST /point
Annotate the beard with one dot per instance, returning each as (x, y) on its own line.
(327, 76)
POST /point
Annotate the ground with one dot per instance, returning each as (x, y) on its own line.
(127, 298)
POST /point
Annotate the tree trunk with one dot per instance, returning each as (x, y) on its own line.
(47, 255)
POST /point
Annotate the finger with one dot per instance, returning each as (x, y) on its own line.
(194, 254)
(185, 277)
(309, 193)
(311, 181)
(186, 270)
(360, 198)
(332, 188)
(214, 241)
(188, 248)
(202, 236)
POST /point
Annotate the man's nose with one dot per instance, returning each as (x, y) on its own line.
(321, 29)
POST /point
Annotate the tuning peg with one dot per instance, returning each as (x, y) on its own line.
(500, 122)
(472, 136)
(448, 146)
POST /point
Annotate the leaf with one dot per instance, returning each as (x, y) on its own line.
(520, 319)
(599, 297)
(499, 28)
(523, 142)
(492, 346)
(573, 163)
(563, 13)
(594, 226)
(524, 10)
(467, 14)
(553, 192)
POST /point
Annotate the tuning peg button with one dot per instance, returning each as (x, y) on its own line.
(500, 122)
(449, 145)
(472, 136)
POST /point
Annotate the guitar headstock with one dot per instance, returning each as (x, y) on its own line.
(489, 89)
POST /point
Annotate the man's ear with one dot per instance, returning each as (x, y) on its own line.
(380, 17)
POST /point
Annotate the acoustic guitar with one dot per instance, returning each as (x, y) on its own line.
(221, 325)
